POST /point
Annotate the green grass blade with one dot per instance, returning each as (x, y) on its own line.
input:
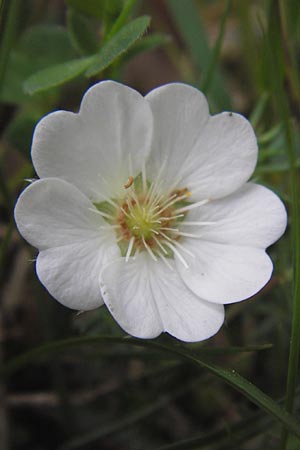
(274, 51)
(208, 76)
(254, 394)
(9, 10)
(187, 19)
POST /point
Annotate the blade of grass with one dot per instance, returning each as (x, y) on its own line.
(275, 54)
(259, 109)
(187, 19)
(231, 377)
(208, 75)
(9, 19)
(61, 345)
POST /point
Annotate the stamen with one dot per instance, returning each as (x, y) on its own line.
(148, 249)
(174, 230)
(175, 200)
(101, 213)
(129, 182)
(154, 231)
(168, 199)
(129, 248)
(130, 207)
(192, 235)
(105, 198)
(144, 178)
(149, 193)
(154, 186)
(180, 257)
(188, 252)
(160, 245)
(124, 212)
(175, 184)
(172, 217)
(135, 197)
(197, 223)
(165, 260)
(192, 206)
(165, 236)
(109, 227)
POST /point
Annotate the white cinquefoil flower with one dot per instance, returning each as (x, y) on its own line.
(144, 203)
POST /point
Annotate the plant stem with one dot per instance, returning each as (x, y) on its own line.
(283, 109)
(208, 76)
(9, 19)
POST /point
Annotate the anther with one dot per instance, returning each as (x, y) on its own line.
(129, 182)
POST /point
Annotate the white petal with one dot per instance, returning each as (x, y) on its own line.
(146, 297)
(212, 155)
(225, 273)
(52, 212)
(180, 112)
(252, 216)
(70, 273)
(56, 217)
(99, 148)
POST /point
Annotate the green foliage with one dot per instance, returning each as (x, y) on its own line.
(93, 8)
(118, 44)
(198, 359)
(82, 32)
(257, 43)
(56, 75)
(20, 130)
(39, 47)
(112, 49)
(188, 20)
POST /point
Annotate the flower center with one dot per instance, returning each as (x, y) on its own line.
(148, 221)
(141, 221)
(145, 219)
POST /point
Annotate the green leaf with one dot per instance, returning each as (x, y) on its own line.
(148, 43)
(56, 75)
(231, 377)
(118, 44)
(82, 32)
(38, 48)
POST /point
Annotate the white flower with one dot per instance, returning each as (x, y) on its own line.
(143, 204)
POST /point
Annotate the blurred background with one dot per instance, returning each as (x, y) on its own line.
(108, 395)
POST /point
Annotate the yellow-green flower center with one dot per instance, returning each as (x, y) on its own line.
(142, 221)
(145, 219)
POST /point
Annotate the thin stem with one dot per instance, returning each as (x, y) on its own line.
(10, 10)
(275, 48)
(217, 49)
